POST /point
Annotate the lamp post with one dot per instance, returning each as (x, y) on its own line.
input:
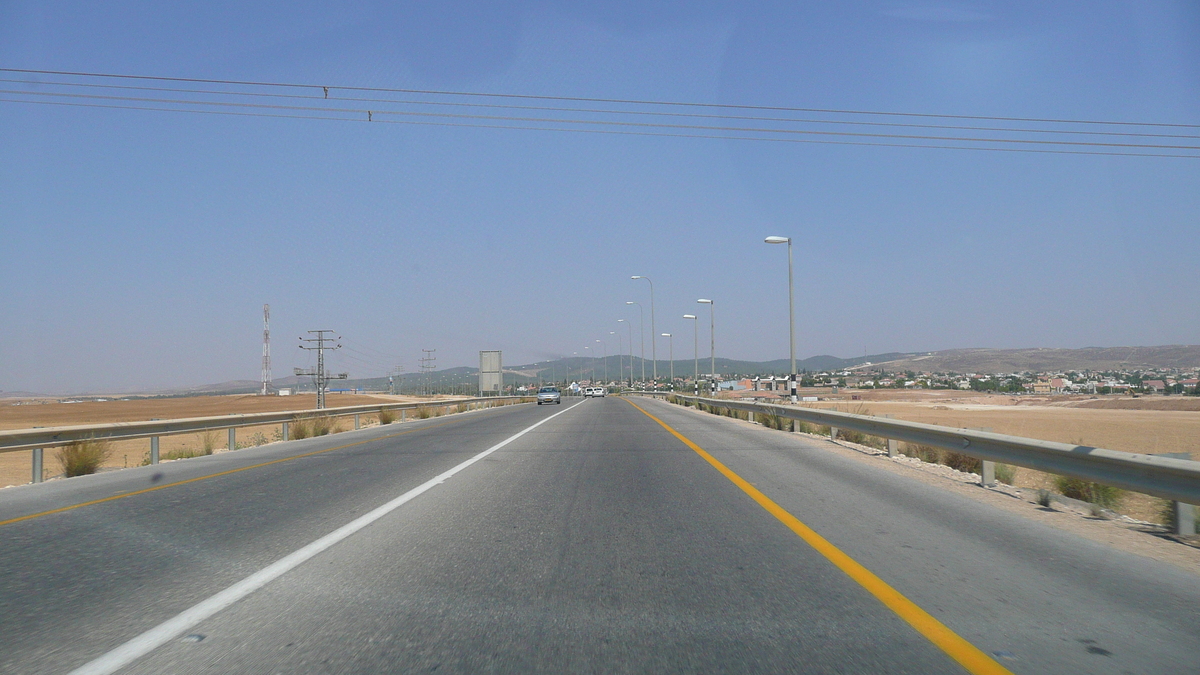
(605, 345)
(791, 309)
(653, 339)
(630, 325)
(712, 339)
(695, 349)
(591, 351)
(620, 356)
(671, 343)
(641, 338)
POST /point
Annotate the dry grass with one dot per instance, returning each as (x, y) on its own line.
(83, 457)
(386, 417)
(208, 441)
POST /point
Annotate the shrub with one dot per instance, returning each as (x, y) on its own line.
(83, 457)
(925, 453)
(423, 412)
(1006, 473)
(804, 427)
(258, 439)
(386, 417)
(770, 420)
(208, 441)
(323, 425)
(960, 462)
(461, 407)
(1105, 496)
(301, 427)
(1044, 499)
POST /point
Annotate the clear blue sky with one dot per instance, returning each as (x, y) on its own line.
(140, 246)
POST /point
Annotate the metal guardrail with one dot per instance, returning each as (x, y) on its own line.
(38, 438)
(1166, 477)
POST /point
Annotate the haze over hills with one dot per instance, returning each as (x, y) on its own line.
(1046, 360)
(981, 360)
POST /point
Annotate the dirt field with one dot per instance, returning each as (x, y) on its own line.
(15, 466)
(1146, 425)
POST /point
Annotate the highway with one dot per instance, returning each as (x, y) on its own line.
(605, 535)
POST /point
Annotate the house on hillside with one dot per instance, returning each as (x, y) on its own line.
(1154, 386)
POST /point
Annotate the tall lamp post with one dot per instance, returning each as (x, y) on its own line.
(791, 309)
(695, 350)
(653, 339)
(641, 338)
(630, 325)
(712, 339)
(605, 345)
(620, 357)
(671, 343)
(592, 379)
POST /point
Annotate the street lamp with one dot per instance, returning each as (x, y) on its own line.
(791, 308)
(671, 342)
(630, 325)
(712, 339)
(605, 345)
(592, 379)
(653, 339)
(620, 357)
(641, 338)
(695, 350)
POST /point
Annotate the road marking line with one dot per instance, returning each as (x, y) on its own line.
(123, 495)
(155, 637)
(966, 654)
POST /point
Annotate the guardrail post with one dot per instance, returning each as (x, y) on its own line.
(284, 432)
(154, 449)
(833, 433)
(357, 424)
(750, 417)
(987, 473)
(37, 465)
(232, 439)
(1185, 514)
(403, 415)
(1185, 518)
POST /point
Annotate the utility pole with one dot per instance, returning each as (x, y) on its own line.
(427, 364)
(320, 376)
(266, 362)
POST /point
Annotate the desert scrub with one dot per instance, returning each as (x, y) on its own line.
(925, 453)
(208, 441)
(770, 420)
(1006, 473)
(423, 412)
(960, 462)
(386, 417)
(461, 407)
(83, 457)
(301, 427)
(1104, 496)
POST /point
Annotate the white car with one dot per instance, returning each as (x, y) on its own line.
(595, 391)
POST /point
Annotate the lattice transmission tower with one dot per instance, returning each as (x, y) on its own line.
(320, 376)
(266, 364)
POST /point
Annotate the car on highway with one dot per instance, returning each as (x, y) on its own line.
(549, 395)
(596, 391)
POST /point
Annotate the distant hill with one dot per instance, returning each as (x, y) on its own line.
(1048, 360)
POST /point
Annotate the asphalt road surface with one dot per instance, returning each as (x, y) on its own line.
(583, 537)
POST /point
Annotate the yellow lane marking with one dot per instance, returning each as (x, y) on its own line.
(966, 654)
(123, 495)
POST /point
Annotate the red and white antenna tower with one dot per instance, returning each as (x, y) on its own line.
(266, 371)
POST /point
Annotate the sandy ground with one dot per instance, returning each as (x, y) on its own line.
(15, 466)
(1152, 425)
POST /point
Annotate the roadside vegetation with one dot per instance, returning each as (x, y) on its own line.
(83, 457)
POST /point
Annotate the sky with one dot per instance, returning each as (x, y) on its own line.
(140, 245)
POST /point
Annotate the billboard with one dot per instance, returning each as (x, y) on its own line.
(491, 380)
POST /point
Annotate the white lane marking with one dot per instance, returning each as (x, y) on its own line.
(163, 632)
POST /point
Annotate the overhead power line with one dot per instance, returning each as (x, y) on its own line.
(676, 121)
